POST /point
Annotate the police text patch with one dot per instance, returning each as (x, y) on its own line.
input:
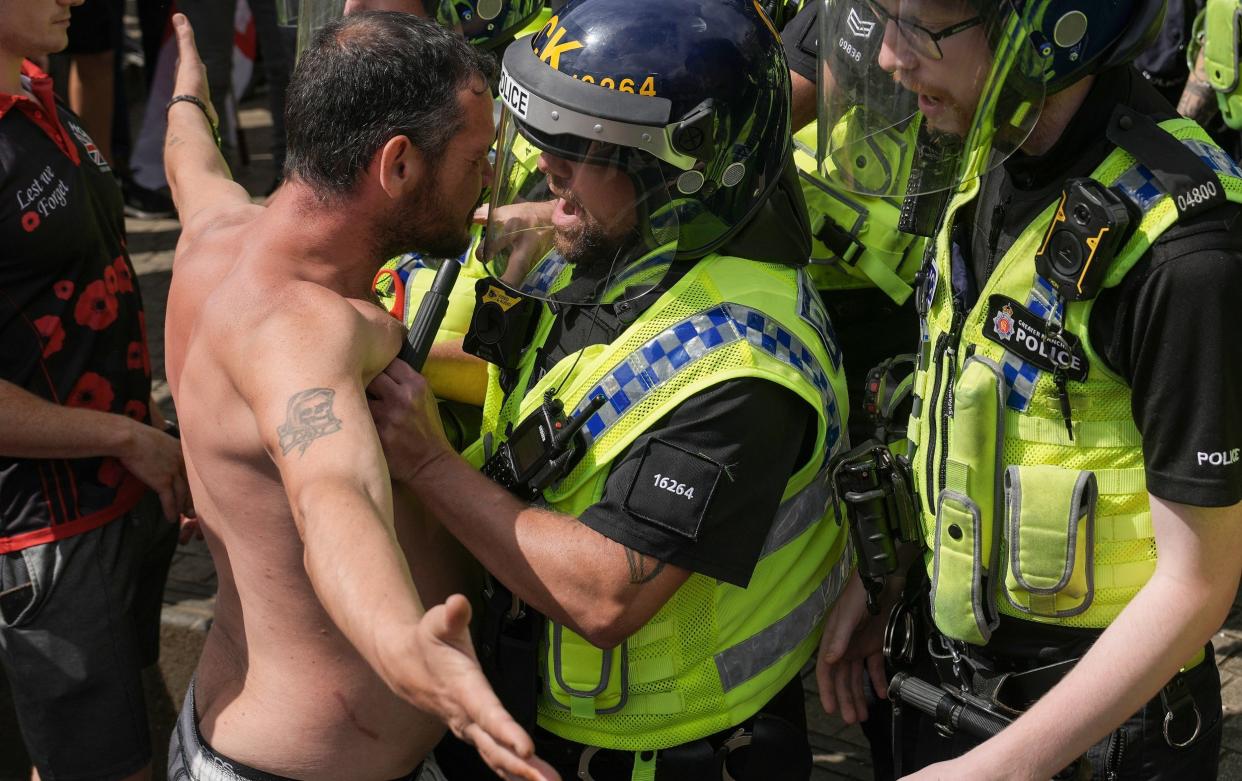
(1027, 336)
(672, 488)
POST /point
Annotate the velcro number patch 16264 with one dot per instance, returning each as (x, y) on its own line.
(672, 488)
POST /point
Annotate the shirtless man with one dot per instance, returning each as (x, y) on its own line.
(322, 663)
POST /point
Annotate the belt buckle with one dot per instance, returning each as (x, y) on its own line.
(738, 740)
(584, 762)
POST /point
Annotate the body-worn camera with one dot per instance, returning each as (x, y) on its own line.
(501, 324)
(541, 449)
(1091, 225)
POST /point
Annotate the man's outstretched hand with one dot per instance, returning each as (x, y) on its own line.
(191, 78)
(448, 682)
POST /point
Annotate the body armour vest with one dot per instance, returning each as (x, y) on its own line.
(714, 653)
(1019, 518)
(855, 241)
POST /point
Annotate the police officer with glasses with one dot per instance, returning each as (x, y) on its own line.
(1078, 401)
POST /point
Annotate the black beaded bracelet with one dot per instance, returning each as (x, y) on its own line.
(215, 129)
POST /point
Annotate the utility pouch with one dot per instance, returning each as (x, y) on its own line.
(961, 598)
(965, 543)
(583, 679)
(1050, 537)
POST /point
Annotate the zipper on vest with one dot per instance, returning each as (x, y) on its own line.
(1058, 378)
(946, 410)
(929, 481)
(940, 407)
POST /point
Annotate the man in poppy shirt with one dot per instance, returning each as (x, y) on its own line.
(83, 552)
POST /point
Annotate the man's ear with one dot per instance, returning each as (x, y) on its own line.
(401, 167)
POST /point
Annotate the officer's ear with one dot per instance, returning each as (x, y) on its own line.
(401, 167)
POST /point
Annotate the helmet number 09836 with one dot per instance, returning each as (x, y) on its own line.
(622, 85)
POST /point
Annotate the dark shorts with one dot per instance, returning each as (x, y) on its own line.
(96, 26)
(79, 619)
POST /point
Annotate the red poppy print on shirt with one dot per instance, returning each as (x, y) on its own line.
(124, 278)
(110, 279)
(136, 410)
(134, 356)
(63, 289)
(91, 391)
(53, 333)
(96, 308)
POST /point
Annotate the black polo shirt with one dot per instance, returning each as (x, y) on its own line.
(71, 321)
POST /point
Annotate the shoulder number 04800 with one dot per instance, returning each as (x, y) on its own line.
(674, 487)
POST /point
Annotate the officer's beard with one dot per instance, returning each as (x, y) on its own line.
(592, 250)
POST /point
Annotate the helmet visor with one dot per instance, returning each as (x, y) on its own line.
(921, 96)
(577, 220)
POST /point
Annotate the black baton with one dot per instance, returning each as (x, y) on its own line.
(430, 314)
(949, 711)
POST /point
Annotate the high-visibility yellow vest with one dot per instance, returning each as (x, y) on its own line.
(1018, 518)
(855, 241)
(714, 653)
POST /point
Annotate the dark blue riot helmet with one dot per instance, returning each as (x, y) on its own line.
(688, 100)
(486, 24)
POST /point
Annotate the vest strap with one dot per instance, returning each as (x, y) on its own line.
(1088, 433)
(1132, 574)
(1124, 528)
(885, 278)
(651, 632)
(1121, 481)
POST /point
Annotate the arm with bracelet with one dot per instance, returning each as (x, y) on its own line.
(198, 176)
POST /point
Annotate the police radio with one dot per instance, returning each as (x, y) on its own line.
(541, 449)
(500, 324)
(1091, 225)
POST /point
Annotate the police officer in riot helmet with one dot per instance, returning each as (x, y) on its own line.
(664, 401)
(1073, 446)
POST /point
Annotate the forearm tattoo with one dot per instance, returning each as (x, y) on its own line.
(643, 569)
(308, 418)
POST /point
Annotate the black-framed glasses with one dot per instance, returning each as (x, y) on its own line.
(924, 41)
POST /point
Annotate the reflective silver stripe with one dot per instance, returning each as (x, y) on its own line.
(799, 512)
(742, 662)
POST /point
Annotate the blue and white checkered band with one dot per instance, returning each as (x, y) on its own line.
(1020, 375)
(1139, 184)
(811, 309)
(412, 261)
(680, 345)
(540, 279)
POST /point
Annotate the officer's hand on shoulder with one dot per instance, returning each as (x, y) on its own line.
(407, 421)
